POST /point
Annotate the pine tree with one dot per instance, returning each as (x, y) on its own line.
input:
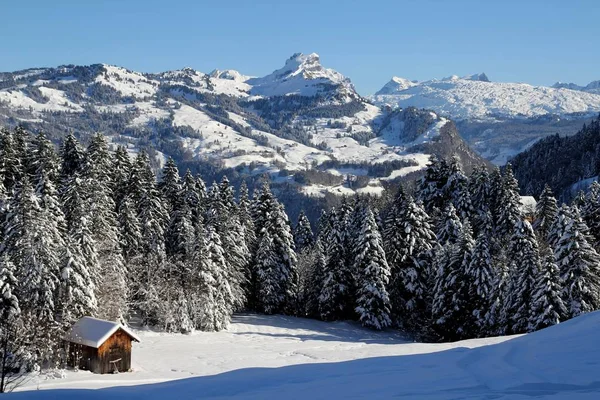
(373, 303)
(524, 268)
(545, 212)
(431, 187)
(452, 307)
(215, 296)
(409, 243)
(483, 279)
(77, 296)
(315, 280)
(72, 157)
(548, 307)
(247, 224)
(303, 235)
(578, 262)
(130, 231)
(337, 297)
(43, 159)
(31, 250)
(9, 303)
(275, 262)
(170, 185)
(450, 226)
(12, 159)
(120, 175)
(480, 189)
(508, 204)
(591, 213)
(148, 271)
(457, 189)
(112, 289)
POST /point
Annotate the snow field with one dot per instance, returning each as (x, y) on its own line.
(269, 357)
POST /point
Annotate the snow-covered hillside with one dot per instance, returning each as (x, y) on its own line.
(273, 357)
(301, 117)
(475, 97)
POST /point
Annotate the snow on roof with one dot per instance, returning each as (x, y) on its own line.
(94, 332)
(528, 204)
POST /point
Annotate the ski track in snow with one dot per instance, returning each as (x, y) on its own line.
(274, 357)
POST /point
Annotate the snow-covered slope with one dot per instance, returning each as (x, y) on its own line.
(273, 357)
(301, 117)
(475, 97)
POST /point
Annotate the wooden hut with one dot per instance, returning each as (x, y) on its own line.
(100, 346)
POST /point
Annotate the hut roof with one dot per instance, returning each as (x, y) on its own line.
(93, 332)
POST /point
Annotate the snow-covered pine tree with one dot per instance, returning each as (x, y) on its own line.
(449, 227)
(508, 204)
(191, 196)
(591, 213)
(9, 303)
(548, 307)
(452, 308)
(35, 257)
(216, 297)
(430, 188)
(147, 271)
(170, 184)
(130, 231)
(457, 189)
(409, 243)
(480, 188)
(246, 222)
(545, 213)
(483, 280)
(180, 232)
(43, 158)
(496, 193)
(120, 175)
(337, 297)
(303, 235)
(112, 289)
(151, 210)
(77, 289)
(72, 157)
(315, 280)
(577, 260)
(524, 268)
(10, 161)
(373, 273)
(275, 262)
(223, 214)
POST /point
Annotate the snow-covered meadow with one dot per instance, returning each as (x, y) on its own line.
(269, 357)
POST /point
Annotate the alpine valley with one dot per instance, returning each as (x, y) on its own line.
(304, 125)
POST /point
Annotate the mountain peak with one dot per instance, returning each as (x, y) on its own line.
(303, 75)
(396, 84)
(229, 74)
(482, 77)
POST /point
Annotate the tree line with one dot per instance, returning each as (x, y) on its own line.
(93, 232)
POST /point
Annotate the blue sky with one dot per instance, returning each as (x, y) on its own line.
(537, 42)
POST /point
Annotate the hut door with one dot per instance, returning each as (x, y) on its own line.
(117, 358)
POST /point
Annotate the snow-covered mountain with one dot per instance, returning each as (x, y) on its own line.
(592, 87)
(303, 124)
(498, 119)
(476, 97)
(303, 75)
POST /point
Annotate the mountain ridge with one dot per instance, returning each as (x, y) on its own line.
(303, 124)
